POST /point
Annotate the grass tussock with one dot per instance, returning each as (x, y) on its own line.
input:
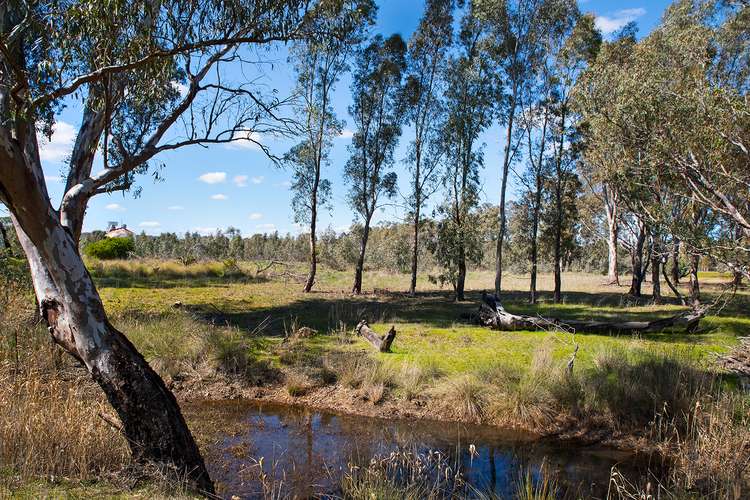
(49, 427)
(405, 475)
(467, 394)
(50, 423)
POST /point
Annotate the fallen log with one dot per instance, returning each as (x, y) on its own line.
(383, 344)
(492, 314)
(738, 359)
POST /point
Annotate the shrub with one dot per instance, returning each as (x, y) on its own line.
(110, 248)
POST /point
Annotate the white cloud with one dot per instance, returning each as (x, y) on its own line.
(213, 177)
(219, 197)
(266, 227)
(257, 180)
(346, 134)
(609, 24)
(256, 216)
(176, 207)
(116, 207)
(181, 88)
(150, 224)
(246, 140)
(53, 178)
(58, 148)
(285, 184)
(240, 180)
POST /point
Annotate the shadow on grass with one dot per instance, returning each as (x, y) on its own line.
(167, 281)
(436, 309)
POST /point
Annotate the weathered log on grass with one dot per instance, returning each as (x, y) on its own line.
(493, 315)
(383, 344)
(738, 359)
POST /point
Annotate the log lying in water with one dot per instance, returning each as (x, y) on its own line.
(493, 315)
(383, 344)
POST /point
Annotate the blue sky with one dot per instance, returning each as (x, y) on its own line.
(236, 185)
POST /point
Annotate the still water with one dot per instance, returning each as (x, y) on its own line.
(305, 453)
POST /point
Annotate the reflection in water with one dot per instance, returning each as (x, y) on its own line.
(305, 453)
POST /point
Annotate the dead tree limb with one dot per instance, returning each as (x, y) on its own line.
(493, 315)
(383, 344)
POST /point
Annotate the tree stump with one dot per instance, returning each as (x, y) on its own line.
(383, 344)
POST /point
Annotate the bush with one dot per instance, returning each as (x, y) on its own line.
(110, 248)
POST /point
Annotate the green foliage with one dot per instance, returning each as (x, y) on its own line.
(110, 248)
(378, 116)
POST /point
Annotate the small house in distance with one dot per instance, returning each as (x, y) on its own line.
(118, 231)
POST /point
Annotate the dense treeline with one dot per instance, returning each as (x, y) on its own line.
(622, 149)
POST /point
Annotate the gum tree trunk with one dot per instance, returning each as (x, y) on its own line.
(636, 259)
(357, 287)
(694, 284)
(503, 189)
(70, 304)
(461, 280)
(313, 245)
(676, 262)
(656, 277)
(415, 251)
(534, 241)
(610, 209)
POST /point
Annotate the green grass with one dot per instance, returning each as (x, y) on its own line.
(432, 329)
(237, 325)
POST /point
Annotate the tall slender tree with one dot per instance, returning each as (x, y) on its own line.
(471, 92)
(320, 59)
(378, 116)
(567, 59)
(426, 60)
(519, 29)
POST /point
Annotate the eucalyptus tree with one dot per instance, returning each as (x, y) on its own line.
(535, 124)
(120, 64)
(320, 60)
(568, 56)
(604, 148)
(519, 29)
(378, 116)
(426, 65)
(471, 91)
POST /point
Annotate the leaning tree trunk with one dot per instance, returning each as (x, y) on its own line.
(557, 294)
(535, 241)
(151, 419)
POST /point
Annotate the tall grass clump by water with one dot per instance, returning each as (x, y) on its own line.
(51, 423)
(405, 475)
